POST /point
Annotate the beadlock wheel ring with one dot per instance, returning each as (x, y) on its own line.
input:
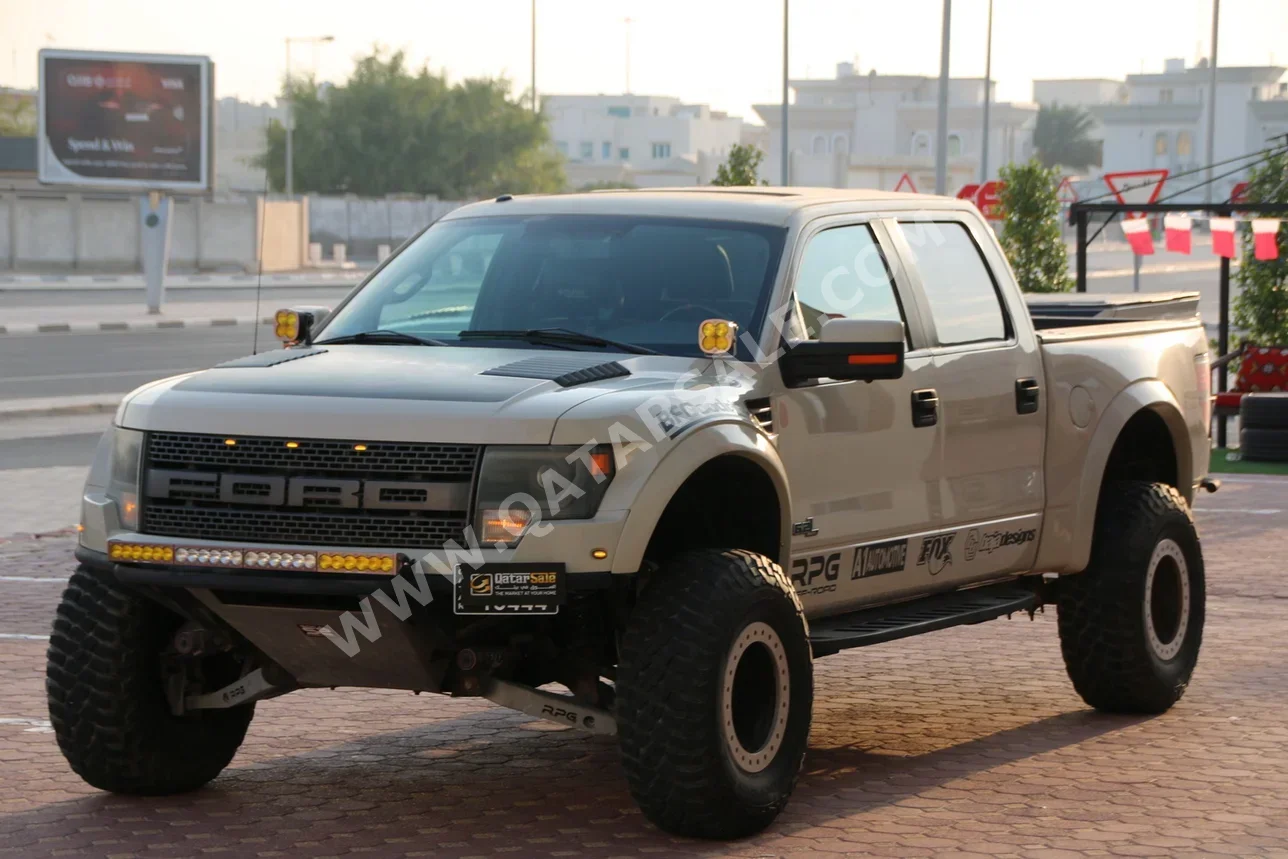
(1167, 600)
(755, 697)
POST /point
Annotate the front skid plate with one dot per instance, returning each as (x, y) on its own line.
(560, 709)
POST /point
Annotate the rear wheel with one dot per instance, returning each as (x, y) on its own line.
(1132, 623)
(107, 700)
(715, 690)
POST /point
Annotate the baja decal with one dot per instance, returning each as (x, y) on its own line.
(879, 559)
(673, 420)
(936, 553)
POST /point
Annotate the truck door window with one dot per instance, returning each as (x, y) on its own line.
(963, 297)
(843, 274)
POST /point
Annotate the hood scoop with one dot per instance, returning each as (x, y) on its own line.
(270, 359)
(564, 370)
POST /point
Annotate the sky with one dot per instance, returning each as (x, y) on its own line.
(727, 53)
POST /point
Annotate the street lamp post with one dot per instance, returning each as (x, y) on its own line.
(1211, 107)
(290, 108)
(787, 155)
(988, 94)
(941, 137)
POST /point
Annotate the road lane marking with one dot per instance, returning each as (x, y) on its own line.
(103, 375)
(1254, 511)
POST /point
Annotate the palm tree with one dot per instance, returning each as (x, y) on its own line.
(1063, 137)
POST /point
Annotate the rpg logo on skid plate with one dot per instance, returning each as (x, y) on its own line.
(936, 553)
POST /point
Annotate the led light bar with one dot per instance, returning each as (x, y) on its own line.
(253, 559)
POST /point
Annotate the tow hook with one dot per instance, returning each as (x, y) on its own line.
(1210, 484)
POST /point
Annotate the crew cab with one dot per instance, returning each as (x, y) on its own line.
(660, 448)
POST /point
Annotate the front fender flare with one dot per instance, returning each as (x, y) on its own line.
(689, 453)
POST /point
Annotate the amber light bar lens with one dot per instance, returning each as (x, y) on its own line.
(254, 559)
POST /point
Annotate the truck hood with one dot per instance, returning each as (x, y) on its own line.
(395, 393)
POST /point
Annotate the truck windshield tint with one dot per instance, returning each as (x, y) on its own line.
(649, 282)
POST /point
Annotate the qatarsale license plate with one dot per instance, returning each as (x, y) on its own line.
(510, 589)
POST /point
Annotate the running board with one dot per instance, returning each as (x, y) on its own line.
(889, 622)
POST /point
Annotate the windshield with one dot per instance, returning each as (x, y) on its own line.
(645, 281)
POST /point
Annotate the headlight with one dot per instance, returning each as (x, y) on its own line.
(519, 485)
(123, 482)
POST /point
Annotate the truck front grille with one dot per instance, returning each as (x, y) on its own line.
(320, 521)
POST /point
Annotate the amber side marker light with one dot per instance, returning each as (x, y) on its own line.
(874, 359)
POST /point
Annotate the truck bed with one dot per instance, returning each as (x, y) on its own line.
(1060, 310)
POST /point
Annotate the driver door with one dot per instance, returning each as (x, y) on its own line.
(864, 479)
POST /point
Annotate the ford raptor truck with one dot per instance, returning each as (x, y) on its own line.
(630, 461)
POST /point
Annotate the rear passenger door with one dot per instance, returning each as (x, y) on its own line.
(988, 378)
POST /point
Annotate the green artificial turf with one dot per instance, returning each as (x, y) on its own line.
(1226, 461)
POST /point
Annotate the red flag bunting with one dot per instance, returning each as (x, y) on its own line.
(1138, 236)
(1223, 237)
(1177, 228)
(1265, 233)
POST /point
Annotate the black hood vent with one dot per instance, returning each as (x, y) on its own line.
(271, 359)
(564, 370)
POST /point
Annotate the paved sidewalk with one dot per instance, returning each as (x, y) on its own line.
(90, 318)
(54, 283)
(964, 743)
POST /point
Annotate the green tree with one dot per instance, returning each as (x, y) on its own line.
(1262, 305)
(1062, 137)
(1031, 227)
(740, 167)
(391, 129)
(17, 114)
(607, 185)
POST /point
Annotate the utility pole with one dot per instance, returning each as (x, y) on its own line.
(941, 137)
(534, 55)
(1211, 117)
(628, 55)
(787, 155)
(290, 109)
(988, 94)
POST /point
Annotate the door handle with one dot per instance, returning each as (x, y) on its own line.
(1026, 396)
(925, 408)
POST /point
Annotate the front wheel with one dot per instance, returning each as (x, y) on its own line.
(1132, 623)
(715, 691)
(107, 700)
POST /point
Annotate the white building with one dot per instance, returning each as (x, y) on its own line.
(240, 137)
(643, 140)
(1159, 120)
(866, 131)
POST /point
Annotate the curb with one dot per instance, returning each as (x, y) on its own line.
(140, 325)
(50, 406)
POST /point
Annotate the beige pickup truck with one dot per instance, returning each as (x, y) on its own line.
(631, 461)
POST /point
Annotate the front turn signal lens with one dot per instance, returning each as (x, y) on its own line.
(716, 336)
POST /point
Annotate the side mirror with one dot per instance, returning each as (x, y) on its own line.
(296, 325)
(865, 349)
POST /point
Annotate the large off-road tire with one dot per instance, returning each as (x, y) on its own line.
(1132, 623)
(714, 693)
(107, 700)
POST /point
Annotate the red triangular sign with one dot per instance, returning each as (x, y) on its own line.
(1064, 191)
(906, 180)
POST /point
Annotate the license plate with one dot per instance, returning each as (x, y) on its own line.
(514, 589)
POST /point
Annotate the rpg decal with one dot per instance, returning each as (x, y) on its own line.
(936, 553)
(807, 571)
(879, 559)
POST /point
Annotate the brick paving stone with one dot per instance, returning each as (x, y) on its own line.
(968, 742)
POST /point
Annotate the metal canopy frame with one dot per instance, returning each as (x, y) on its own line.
(1080, 215)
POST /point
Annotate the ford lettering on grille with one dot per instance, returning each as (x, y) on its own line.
(276, 491)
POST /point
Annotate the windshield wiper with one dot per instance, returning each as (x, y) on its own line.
(557, 337)
(380, 336)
